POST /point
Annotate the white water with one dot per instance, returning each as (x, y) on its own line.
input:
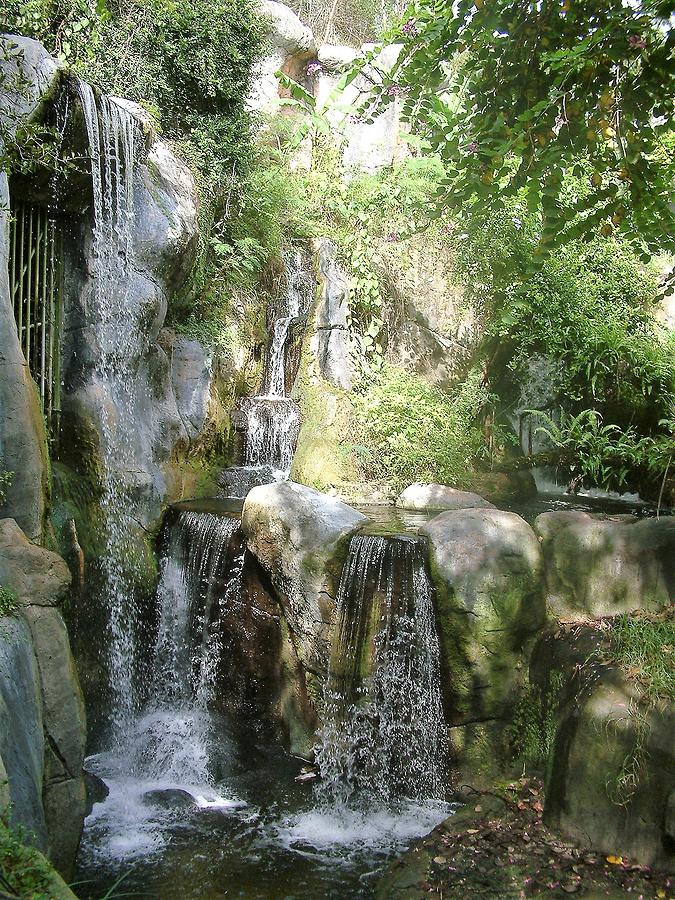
(113, 137)
(273, 419)
(169, 746)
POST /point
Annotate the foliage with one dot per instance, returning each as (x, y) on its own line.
(606, 455)
(349, 22)
(532, 731)
(517, 95)
(8, 601)
(5, 481)
(411, 431)
(23, 871)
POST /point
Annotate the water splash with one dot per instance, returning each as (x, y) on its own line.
(113, 138)
(168, 753)
(384, 738)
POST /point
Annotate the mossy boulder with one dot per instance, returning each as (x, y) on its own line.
(440, 496)
(300, 536)
(598, 565)
(488, 572)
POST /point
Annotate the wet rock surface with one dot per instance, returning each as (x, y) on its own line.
(600, 565)
(440, 496)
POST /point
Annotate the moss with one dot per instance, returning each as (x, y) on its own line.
(532, 731)
(25, 871)
(8, 602)
(324, 458)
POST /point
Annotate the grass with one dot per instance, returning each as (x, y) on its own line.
(643, 646)
(8, 602)
(24, 872)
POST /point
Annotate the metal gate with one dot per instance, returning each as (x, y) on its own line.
(36, 282)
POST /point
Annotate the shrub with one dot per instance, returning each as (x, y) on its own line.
(8, 602)
(411, 431)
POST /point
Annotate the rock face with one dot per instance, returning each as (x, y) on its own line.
(440, 496)
(598, 565)
(43, 730)
(163, 234)
(330, 341)
(610, 781)
(300, 537)
(291, 45)
(487, 568)
(29, 75)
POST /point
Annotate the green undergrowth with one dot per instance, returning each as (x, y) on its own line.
(24, 872)
(8, 601)
(643, 646)
(410, 431)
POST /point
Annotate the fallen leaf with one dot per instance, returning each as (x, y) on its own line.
(615, 860)
(472, 830)
(439, 860)
(571, 887)
(478, 808)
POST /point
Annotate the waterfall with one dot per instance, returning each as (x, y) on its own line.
(112, 134)
(167, 754)
(272, 419)
(384, 736)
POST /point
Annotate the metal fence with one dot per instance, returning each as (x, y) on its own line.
(36, 284)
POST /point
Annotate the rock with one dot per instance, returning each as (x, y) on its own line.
(300, 538)
(169, 798)
(37, 576)
(96, 790)
(191, 379)
(65, 730)
(22, 746)
(440, 496)
(330, 342)
(29, 76)
(595, 746)
(487, 568)
(603, 565)
(291, 45)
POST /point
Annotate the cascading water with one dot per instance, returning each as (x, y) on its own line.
(272, 418)
(383, 743)
(112, 135)
(383, 737)
(168, 752)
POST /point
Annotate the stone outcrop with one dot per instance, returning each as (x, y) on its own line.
(439, 496)
(330, 341)
(487, 569)
(610, 776)
(29, 76)
(43, 729)
(600, 565)
(300, 538)
(291, 44)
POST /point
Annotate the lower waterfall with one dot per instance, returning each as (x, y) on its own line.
(384, 735)
(167, 757)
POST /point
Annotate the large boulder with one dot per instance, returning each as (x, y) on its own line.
(22, 747)
(600, 565)
(300, 538)
(290, 45)
(36, 576)
(487, 569)
(29, 76)
(440, 496)
(43, 727)
(610, 773)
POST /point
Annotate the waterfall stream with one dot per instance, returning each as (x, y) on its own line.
(383, 737)
(113, 137)
(168, 754)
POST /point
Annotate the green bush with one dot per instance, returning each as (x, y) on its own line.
(8, 601)
(411, 431)
(24, 872)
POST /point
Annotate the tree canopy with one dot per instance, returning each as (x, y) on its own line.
(516, 96)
